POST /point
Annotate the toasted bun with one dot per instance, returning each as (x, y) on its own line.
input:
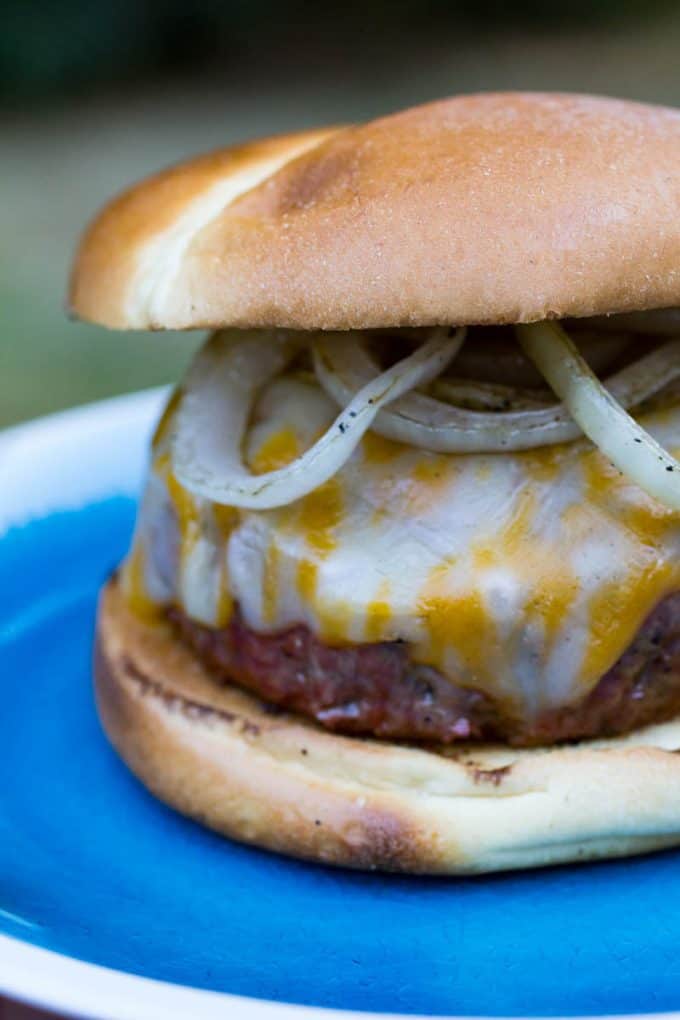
(217, 755)
(489, 208)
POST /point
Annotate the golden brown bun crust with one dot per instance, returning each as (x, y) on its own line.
(215, 754)
(488, 208)
(106, 281)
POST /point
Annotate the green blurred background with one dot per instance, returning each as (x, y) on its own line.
(95, 95)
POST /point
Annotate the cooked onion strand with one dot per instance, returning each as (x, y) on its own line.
(343, 365)
(620, 438)
(488, 396)
(216, 405)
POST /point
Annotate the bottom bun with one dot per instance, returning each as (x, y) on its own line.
(276, 780)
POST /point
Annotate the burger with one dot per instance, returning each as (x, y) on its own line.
(404, 590)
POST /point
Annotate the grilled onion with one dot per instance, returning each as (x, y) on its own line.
(343, 366)
(222, 385)
(216, 404)
(625, 443)
(487, 396)
(496, 358)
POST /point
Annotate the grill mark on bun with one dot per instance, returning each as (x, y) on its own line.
(176, 701)
(493, 776)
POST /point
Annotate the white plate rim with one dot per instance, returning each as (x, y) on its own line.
(42, 977)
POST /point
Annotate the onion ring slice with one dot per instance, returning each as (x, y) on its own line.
(625, 443)
(488, 396)
(420, 420)
(218, 396)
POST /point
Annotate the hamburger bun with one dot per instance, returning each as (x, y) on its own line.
(491, 208)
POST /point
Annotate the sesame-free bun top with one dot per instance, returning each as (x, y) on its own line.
(488, 208)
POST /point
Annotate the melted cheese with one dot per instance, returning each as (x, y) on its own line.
(135, 585)
(226, 519)
(279, 449)
(525, 575)
(378, 614)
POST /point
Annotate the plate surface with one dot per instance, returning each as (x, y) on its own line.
(95, 869)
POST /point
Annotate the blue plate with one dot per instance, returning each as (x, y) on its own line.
(91, 866)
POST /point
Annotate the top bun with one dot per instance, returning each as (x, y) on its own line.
(491, 208)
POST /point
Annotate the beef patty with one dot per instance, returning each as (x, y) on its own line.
(377, 689)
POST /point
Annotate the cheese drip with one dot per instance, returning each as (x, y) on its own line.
(523, 575)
